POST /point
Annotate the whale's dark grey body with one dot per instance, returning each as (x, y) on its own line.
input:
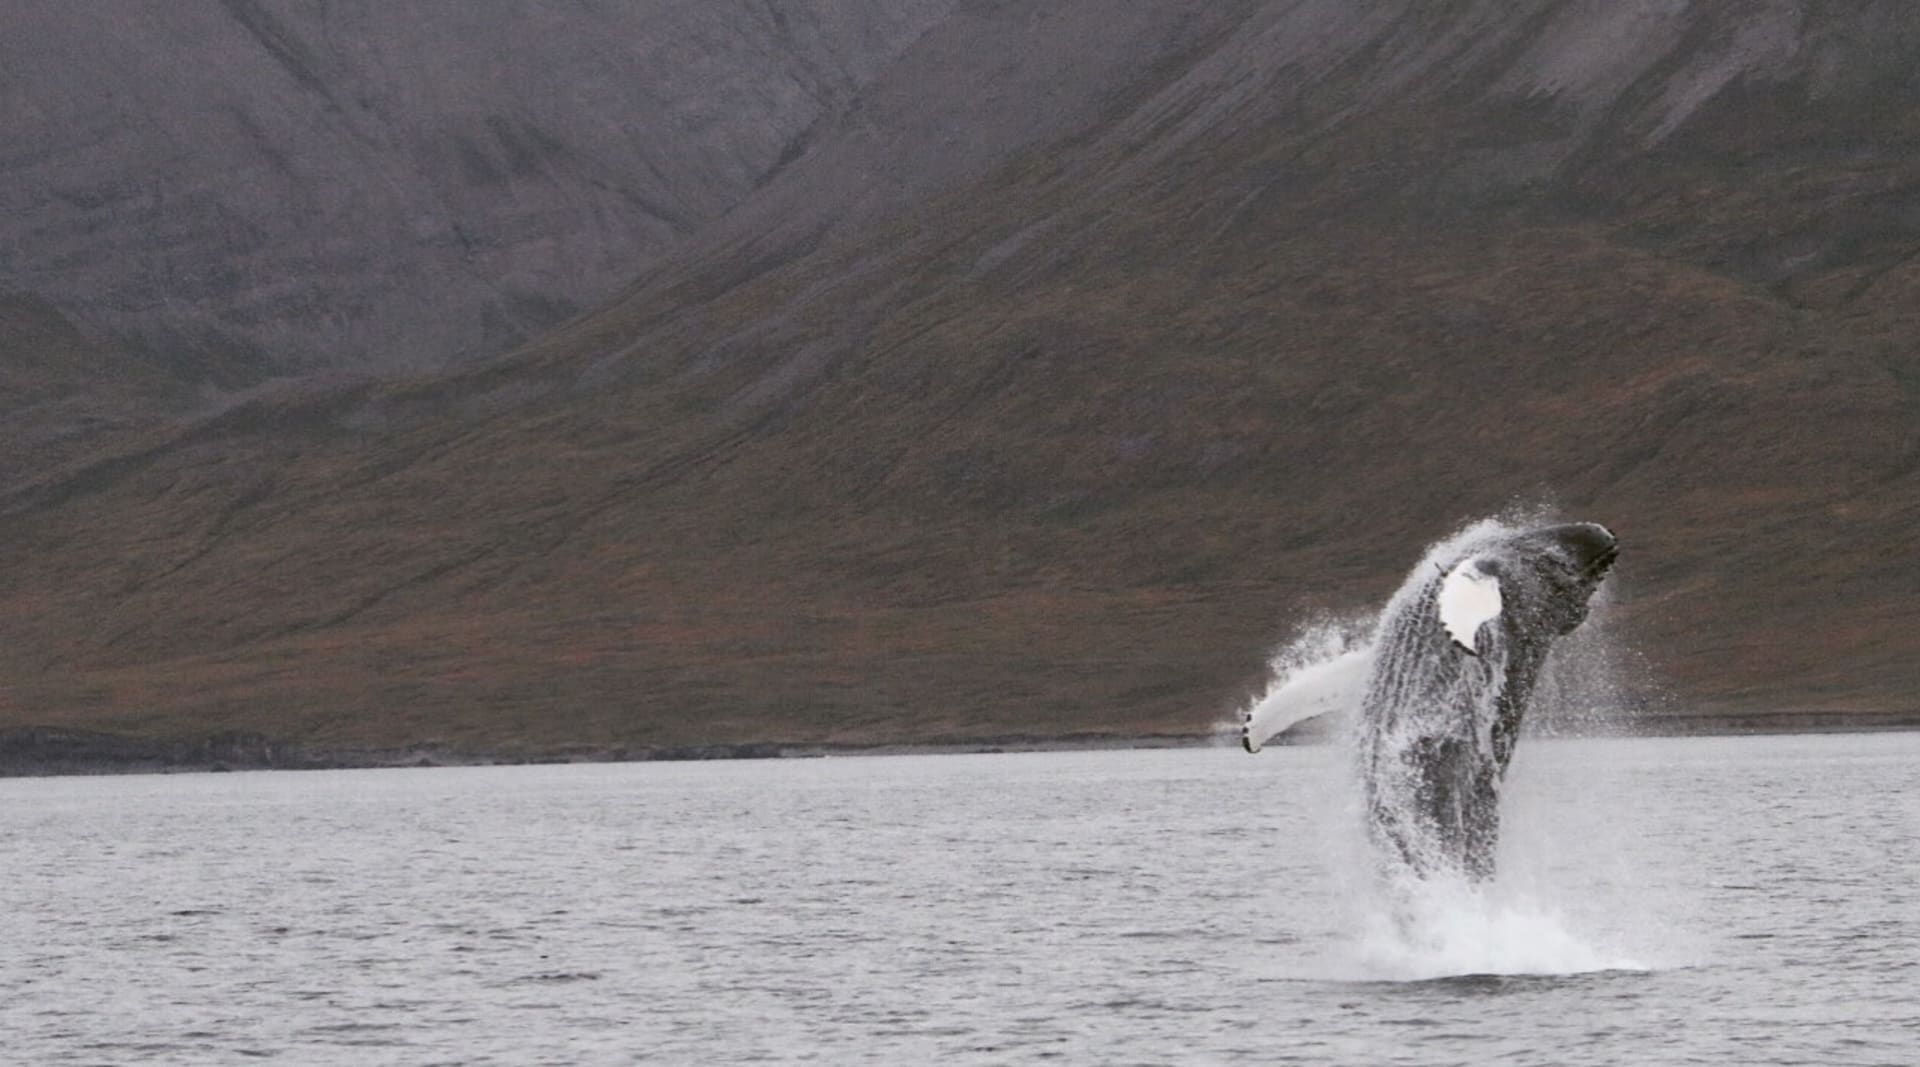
(1445, 698)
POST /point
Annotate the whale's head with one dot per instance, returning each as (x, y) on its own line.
(1559, 569)
(1538, 582)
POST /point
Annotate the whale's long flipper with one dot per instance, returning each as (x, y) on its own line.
(1337, 685)
(1469, 598)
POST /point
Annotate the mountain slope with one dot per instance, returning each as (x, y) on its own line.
(63, 393)
(243, 189)
(1066, 438)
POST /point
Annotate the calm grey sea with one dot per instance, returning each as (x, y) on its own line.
(1738, 901)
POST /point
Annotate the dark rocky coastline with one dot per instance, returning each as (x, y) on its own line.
(34, 752)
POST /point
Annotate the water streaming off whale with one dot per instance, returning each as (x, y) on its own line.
(1431, 697)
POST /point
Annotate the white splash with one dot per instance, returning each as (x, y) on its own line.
(1442, 927)
(1408, 928)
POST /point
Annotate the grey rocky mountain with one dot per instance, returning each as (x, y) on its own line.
(245, 188)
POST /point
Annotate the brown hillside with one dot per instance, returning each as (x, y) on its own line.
(1067, 444)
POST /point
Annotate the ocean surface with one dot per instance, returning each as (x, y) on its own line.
(1726, 901)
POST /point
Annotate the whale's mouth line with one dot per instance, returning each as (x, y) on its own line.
(1603, 563)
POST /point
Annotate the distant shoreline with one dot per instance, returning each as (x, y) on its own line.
(34, 752)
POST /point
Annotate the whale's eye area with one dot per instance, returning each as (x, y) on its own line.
(1587, 548)
(1468, 599)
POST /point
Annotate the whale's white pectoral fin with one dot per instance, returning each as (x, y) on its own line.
(1332, 686)
(1469, 598)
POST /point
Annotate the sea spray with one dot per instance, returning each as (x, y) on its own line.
(1317, 675)
(1447, 926)
(1321, 672)
(1414, 918)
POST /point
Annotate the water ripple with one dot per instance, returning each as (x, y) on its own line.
(1082, 908)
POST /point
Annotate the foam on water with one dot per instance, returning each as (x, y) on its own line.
(1535, 918)
(1444, 928)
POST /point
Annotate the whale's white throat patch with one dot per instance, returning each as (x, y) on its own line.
(1469, 598)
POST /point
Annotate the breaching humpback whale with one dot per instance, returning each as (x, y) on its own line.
(1442, 691)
